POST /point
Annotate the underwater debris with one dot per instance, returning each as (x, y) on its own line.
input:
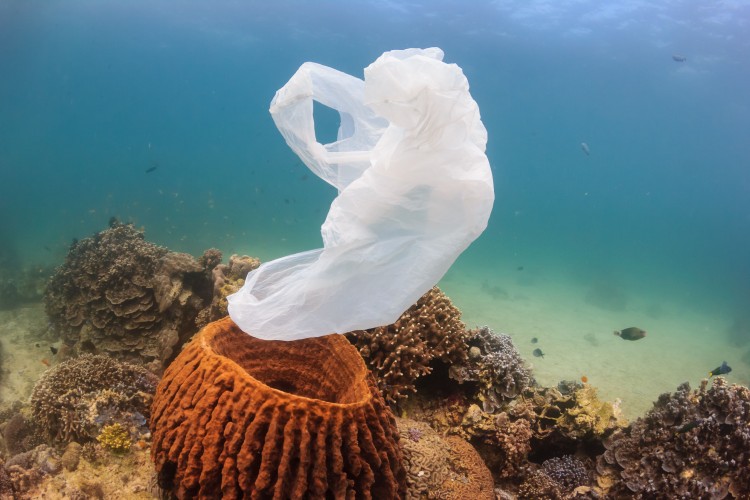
(293, 418)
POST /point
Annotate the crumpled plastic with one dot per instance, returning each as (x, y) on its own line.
(415, 189)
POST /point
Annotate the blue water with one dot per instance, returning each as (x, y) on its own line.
(95, 93)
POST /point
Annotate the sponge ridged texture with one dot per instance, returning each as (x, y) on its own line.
(239, 417)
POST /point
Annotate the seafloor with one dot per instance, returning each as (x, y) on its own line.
(477, 412)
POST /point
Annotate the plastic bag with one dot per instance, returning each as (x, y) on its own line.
(415, 189)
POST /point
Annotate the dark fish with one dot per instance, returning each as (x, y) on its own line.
(720, 370)
(53, 349)
(534, 340)
(151, 168)
(519, 268)
(631, 333)
(678, 58)
(689, 426)
(538, 353)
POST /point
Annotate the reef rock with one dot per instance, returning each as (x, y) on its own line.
(398, 354)
(121, 295)
(253, 418)
(227, 279)
(75, 399)
(691, 444)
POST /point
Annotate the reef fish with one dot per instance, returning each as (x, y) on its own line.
(720, 370)
(538, 353)
(678, 58)
(585, 148)
(631, 333)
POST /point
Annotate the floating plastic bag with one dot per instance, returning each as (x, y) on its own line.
(415, 189)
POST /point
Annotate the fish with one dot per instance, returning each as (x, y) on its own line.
(519, 268)
(585, 148)
(538, 353)
(632, 333)
(585, 379)
(688, 426)
(53, 349)
(151, 169)
(678, 58)
(720, 370)
(534, 340)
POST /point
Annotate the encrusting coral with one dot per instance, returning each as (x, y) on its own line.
(121, 295)
(398, 354)
(442, 467)
(691, 444)
(75, 399)
(241, 417)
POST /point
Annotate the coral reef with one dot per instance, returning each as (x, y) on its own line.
(691, 444)
(71, 456)
(398, 354)
(247, 417)
(438, 467)
(75, 399)
(121, 295)
(227, 279)
(495, 365)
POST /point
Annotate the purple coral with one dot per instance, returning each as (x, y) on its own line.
(567, 471)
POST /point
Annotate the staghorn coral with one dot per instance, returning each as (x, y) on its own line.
(74, 399)
(495, 365)
(119, 294)
(227, 279)
(254, 418)
(691, 444)
(398, 354)
(441, 467)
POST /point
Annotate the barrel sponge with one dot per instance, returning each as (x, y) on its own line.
(251, 418)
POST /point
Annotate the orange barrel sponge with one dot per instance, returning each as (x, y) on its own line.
(239, 417)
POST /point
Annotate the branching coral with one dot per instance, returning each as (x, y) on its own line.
(691, 444)
(398, 354)
(74, 399)
(119, 294)
(497, 367)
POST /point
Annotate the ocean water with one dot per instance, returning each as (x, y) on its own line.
(652, 227)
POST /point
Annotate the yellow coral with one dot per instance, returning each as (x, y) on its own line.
(115, 437)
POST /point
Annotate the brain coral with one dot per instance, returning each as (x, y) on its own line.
(497, 367)
(73, 400)
(260, 419)
(442, 467)
(398, 354)
(121, 295)
(691, 444)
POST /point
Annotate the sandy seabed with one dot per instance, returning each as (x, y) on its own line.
(682, 344)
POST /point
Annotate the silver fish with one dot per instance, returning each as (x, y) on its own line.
(585, 148)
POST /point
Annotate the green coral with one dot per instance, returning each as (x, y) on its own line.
(115, 437)
(591, 417)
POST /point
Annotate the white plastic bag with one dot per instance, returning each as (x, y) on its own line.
(415, 189)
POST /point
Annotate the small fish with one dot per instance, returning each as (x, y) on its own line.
(631, 333)
(720, 370)
(585, 148)
(689, 426)
(53, 349)
(678, 58)
(519, 268)
(534, 340)
(45, 362)
(151, 168)
(538, 353)
(584, 379)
